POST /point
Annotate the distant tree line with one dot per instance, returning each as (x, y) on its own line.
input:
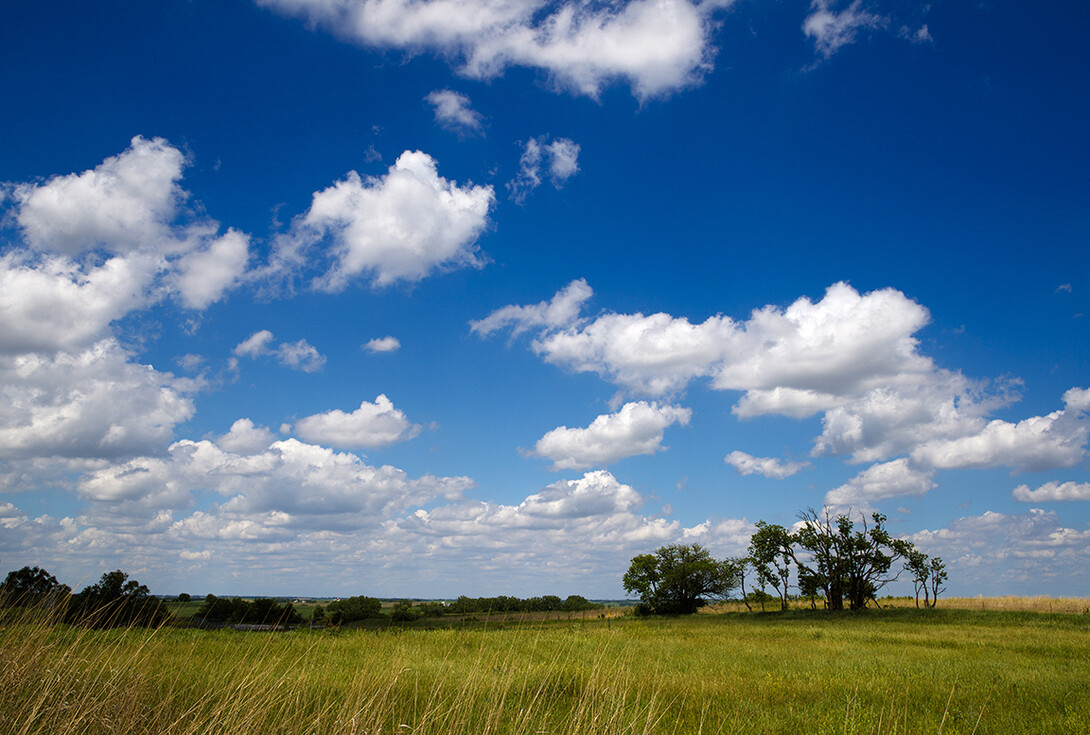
(504, 604)
(235, 610)
(116, 600)
(831, 560)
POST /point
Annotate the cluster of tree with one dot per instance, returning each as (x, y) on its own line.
(348, 610)
(115, 600)
(33, 587)
(503, 603)
(235, 610)
(830, 557)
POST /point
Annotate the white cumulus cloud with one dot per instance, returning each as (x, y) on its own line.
(1052, 492)
(1037, 443)
(886, 480)
(770, 467)
(129, 211)
(123, 204)
(852, 358)
(370, 426)
(399, 227)
(656, 46)
(245, 437)
(636, 429)
(67, 404)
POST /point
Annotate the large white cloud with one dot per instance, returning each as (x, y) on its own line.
(852, 358)
(1037, 443)
(399, 227)
(1052, 491)
(794, 361)
(636, 429)
(245, 437)
(309, 485)
(593, 512)
(68, 405)
(127, 211)
(370, 426)
(656, 46)
(53, 303)
(204, 275)
(125, 203)
(886, 480)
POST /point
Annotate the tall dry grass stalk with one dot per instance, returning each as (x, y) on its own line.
(60, 679)
(893, 672)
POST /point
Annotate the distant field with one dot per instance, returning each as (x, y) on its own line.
(882, 671)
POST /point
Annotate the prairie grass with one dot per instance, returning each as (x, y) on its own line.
(891, 671)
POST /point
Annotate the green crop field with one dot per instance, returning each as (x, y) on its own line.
(881, 671)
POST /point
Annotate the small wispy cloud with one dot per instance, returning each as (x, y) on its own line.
(558, 160)
(454, 112)
(383, 344)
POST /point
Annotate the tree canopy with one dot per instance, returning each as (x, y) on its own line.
(678, 579)
(31, 586)
(116, 600)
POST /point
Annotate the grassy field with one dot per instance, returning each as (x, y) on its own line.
(896, 670)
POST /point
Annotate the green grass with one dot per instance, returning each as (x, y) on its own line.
(889, 671)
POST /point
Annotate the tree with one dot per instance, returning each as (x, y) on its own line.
(678, 579)
(32, 586)
(404, 612)
(917, 565)
(116, 600)
(770, 552)
(809, 586)
(938, 578)
(735, 568)
(353, 608)
(184, 597)
(848, 564)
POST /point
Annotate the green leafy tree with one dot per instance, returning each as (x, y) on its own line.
(353, 608)
(809, 587)
(848, 564)
(32, 586)
(405, 612)
(116, 600)
(735, 568)
(918, 565)
(678, 579)
(938, 578)
(770, 551)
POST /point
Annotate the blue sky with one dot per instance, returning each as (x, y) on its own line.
(453, 297)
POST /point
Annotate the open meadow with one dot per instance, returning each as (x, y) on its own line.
(897, 670)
